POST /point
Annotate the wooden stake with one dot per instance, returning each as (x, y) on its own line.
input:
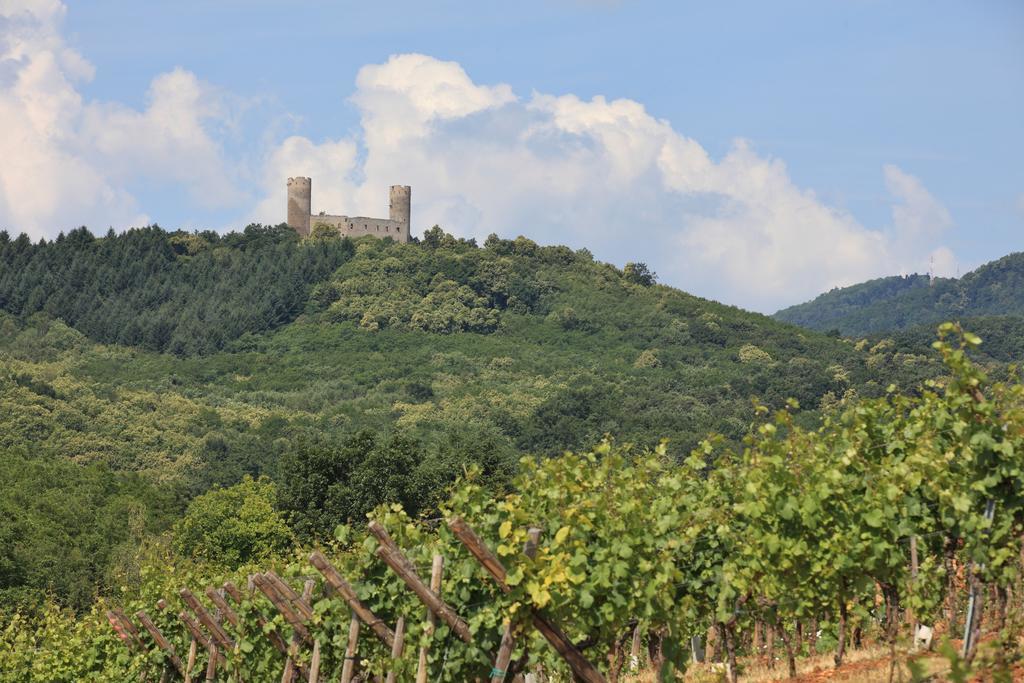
(160, 640)
(314, 663)
(582, 668)
(282, 605)
(193, 648)
(479, 550)
(219, 636)
(378, 530)
(436, 570)
(504, 655)
(195, 631)
(234, 592)
(348, 668)
(289, 665)
(217, 599)
(339, 584)
(273, 635)
(301, 606)
(396, 650)
(500, 668)
(911, 617)
(401, 566)
(211, 663)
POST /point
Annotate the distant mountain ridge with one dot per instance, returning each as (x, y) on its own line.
(901, 302)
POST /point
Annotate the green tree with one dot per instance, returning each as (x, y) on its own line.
(639, 274)
(234, 525)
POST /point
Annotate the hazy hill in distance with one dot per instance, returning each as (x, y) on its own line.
(901, 302)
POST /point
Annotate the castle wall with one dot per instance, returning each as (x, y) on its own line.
(400, 204)
(396, 227)
(300, 196)
(357, 226)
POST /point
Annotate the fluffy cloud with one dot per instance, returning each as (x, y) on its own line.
(604, 174)
(68, 161)
(918, 213)
(599, 173)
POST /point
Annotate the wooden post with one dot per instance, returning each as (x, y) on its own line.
(339, 584)
(219, 636)
(289, 665)
(301, 606)
(401, 566)
(436, 570)
(501, 661)
(193, 647)
(351, 650)
(217, 599)
(581, 668)
(479, 550)
(234, 591)
(211, 663)
(406, 570)
(161, 641)
(194, 630)
(282, 605)
(911, 617)
(273, 635)
(314, 663)
(500, 668)
(396, 650)
(378, 530)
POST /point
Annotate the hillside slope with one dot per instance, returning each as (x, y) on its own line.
(897, 303)
(358, 373)
(538, 348)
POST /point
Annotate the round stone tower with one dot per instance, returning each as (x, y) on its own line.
(300, 204)
(400, 206)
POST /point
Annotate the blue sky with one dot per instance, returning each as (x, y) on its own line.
(756, 153)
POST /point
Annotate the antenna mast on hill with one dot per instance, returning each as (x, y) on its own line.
(931, 270)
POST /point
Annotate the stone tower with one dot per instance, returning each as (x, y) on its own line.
(300, 204)
(400, 206)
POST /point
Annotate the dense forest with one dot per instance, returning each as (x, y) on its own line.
(830, 542)
(185, 293)
(896, 303)
(141, 370)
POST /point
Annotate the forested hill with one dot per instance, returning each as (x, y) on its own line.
(350, 373)
(897, 303)
(181, 292)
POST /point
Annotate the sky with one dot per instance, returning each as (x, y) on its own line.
(754, 153)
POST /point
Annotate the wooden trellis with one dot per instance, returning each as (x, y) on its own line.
(209, 630)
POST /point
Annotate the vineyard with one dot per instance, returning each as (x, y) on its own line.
(903, 510)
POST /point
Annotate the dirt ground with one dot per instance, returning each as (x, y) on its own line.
(869, 665)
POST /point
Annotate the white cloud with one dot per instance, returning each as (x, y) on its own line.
(328, 164)
(598, 173)
(69, 162)
(918, 213)
(602, 174)
(942, 262)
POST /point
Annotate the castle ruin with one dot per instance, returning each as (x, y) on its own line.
(302, 220)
